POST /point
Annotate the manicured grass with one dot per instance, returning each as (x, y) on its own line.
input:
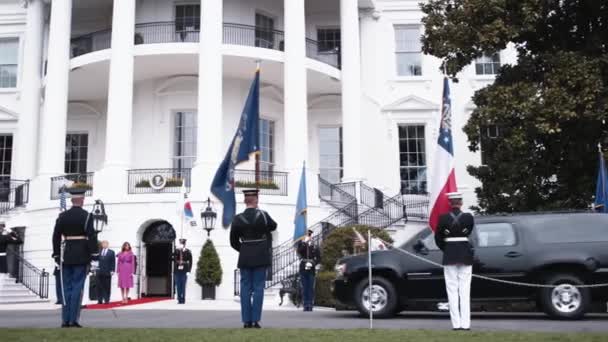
(282, 335)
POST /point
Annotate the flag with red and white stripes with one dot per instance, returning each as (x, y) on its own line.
(443, 178)
(358, 240)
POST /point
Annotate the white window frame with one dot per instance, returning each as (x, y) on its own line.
(273, 148)
(88, 164)
(340, 148)
(396, 52)
(20, 43)
(173, 136)
(319, 28)
(484, 60)
(186, 3)
(274, 19)
(426, 154)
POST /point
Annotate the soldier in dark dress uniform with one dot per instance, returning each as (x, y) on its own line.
(452, 237)
(250, 235)
(75, 228)
(310, 257)
(7, 237)
(182, 258)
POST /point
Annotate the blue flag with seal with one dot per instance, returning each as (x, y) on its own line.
(245, 142)
(601, 194)
(301, 209)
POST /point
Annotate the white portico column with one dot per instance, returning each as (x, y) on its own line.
(120, 92)
(54, 120)
(26, 140)
(351, 90)
(210, 139)
(295, 92)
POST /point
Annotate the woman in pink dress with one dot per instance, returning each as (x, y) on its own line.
(125, 268)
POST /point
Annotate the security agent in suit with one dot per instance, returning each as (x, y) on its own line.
(250, 235)
(7, 236)
(452, 237)
(74, 254)
(310, 257)
(104, 273)
(182, 258)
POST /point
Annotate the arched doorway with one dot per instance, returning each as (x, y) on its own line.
(156, 269)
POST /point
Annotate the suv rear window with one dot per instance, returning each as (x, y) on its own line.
(570, 228)
(494, 235)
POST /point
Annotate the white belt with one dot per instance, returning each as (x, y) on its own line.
(2, 254)
(456, 239)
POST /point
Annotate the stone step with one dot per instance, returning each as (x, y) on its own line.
(20, 289)
(24, 294)
(23, 301)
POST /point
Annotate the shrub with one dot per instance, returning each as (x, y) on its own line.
(339, 243)
(80, 185)
(208, 267)
(323, 296)
(263, 184)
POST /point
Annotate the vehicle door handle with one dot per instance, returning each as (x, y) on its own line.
(513, 254)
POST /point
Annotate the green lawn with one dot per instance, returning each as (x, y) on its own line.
(282, 335)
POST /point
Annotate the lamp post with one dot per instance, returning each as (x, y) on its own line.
(208, 217)
(100, 218)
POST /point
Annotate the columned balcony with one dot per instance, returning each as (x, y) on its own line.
(233, 34)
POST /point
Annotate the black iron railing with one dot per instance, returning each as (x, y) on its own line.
(13, 194)
(337, 195)
(331, 57)
(82, 180)
(33, 278)
(177, 32)
(416, 207)
(153, 181)
(269, 182)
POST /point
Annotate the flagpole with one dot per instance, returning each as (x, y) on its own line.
(369, 270)
(181, 216)
(599, 147)
(257, 154)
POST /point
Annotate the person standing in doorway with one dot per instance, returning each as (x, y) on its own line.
(126, 268)
(182, 258)
(107, 266)
(74, 255)
(7, 236)
(250, 235)
(452, 237)
(310, 257)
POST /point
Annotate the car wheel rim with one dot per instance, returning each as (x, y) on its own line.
(379, 298)
(566, 298)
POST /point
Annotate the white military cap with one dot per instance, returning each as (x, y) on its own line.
(454, 195)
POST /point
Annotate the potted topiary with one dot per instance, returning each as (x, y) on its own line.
(208, 270)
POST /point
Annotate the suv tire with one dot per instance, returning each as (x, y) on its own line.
(565, 300)
(383, 294)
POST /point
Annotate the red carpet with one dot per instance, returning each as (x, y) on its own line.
(118, 304)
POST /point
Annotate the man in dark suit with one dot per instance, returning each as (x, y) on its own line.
(7, 236)
(105, 271)
(75, 228)
(452, 237)
(250, 235)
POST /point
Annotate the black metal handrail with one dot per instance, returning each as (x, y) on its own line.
(13, 194)
(177, 32)
(81, 179)
(141, 181)
(337, 195)
(416, 206)
(269, 182)
(33, 278)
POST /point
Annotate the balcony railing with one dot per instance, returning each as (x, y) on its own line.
(80, 179)
(270, 182)
(154, 181)
(174, 32)
(13, 194)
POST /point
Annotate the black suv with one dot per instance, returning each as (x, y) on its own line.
(561, 249)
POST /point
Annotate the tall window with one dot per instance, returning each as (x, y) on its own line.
(267, 145)
(408, 50)
(330, 154)
(412, 159)
(9, 52)
(489, 134)
(76, 152)
(185, 140)
(264, 31)
(187, 18)
(487, 64)
(6, 155)
(328, 40)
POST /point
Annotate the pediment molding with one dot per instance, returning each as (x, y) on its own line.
(411, 103)
(7, 114)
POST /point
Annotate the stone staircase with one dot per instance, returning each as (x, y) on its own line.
(16, 293)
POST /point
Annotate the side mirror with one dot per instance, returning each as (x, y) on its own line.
(420, 248)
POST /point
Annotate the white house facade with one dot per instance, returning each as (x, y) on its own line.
(113, 93)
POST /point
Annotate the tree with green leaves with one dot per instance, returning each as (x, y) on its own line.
(208, 267)
(550, 108)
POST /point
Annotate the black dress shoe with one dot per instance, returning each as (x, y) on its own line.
(65, 325)
(456, 329)
(465, 329)
(75, 325)
(257, 325)
(247, 326)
